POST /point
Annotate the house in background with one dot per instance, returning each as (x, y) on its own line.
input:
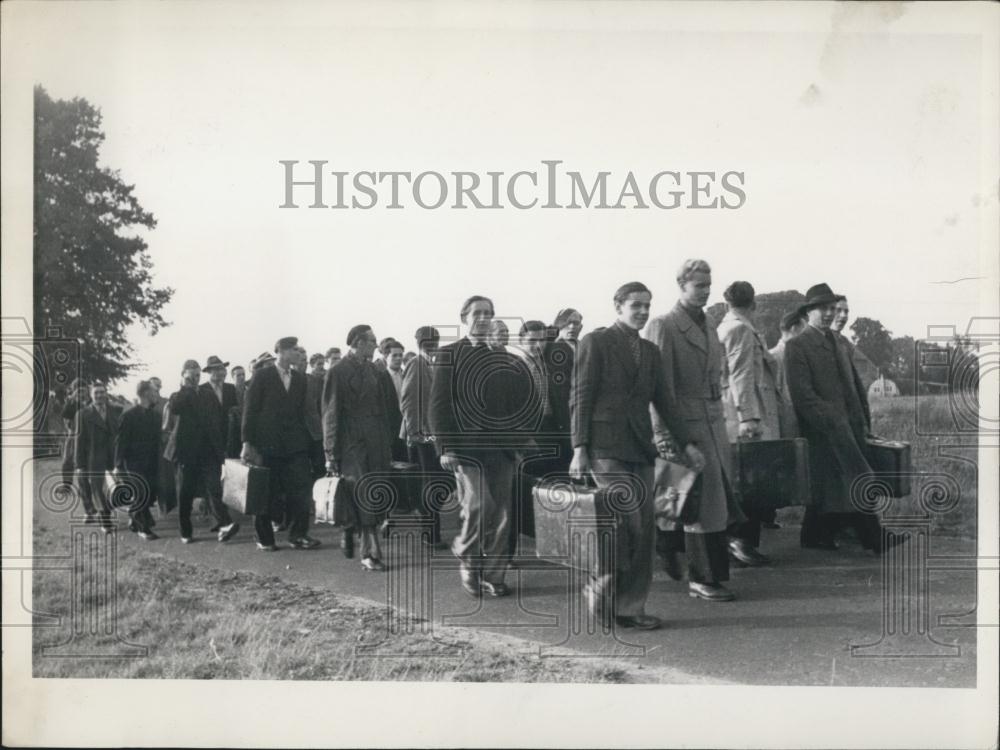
(882, 388)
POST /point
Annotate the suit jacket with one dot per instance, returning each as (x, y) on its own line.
(274, 420)
(199, 432)
(314, 405)
(749, 378)
(481, 401)
(137, 444)
(218, 413)
(559, 359)
(94, 450)
(415, 398)
(832, 409)
(692, 367)
(789, 422)
(611, 396)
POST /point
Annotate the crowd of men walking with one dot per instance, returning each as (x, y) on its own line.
(493, 416)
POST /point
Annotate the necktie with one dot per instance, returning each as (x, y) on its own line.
(633, 342)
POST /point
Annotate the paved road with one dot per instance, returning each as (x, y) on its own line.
(794, 622)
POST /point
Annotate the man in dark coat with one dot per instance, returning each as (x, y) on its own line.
(832, 409)
(415, 401)
(137, 453)
(481, 426)
(197, 448)
(275, 435)
(360, 420)
(618, 376)
(94, 453)
(77, 398)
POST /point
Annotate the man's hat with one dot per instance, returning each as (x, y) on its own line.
(287, 342)
(820, 294)
(214, 363)
(261, 360)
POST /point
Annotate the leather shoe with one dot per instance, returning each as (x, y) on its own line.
(471, 584)
(267, 547)
(746, 554)
(371, 563)
(639, 622)
(148, 535)
(347, 544)
(305, 542)
(228, 532)
(710, 592)
(495, 589)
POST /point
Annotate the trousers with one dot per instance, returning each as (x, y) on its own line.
(484, 491)
(206, 477)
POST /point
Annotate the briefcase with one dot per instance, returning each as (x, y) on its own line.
(891, 460)
(675, 494)
(332, 501)
(774, 473)
(246, 489)
(572, 522)
(406, 480)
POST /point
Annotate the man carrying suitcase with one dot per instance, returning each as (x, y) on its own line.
(275, 435)
(617, 376)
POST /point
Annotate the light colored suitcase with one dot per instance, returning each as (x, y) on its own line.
(246, 489)
(332, 501)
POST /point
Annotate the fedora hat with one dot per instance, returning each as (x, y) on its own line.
(214, 363)
(819, 294)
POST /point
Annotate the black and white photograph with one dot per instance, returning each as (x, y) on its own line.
(530, 374)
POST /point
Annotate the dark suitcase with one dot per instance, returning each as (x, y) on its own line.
(572, 522)
(774, 473)
(246, 489)
(891, 460)
(332, 501)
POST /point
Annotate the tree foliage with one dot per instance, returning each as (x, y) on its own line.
(92, 272)
(874, 340)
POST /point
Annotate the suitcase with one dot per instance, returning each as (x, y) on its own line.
(246, 489)
(891, 460)
(332, 501)
(572, 522)
(774, 473)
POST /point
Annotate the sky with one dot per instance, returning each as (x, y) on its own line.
(861, 149)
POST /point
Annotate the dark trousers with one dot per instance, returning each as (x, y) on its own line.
(400, 451)
(291, 481)
(92, 489)
(141, 519)
(192, 478)
(707, 554)
(425, 456)
(749, 531)
(822, 528)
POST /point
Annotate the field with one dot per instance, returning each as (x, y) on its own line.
(944, 451)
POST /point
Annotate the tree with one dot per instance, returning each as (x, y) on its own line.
(874, 340)
(902, 364)
(92, 273)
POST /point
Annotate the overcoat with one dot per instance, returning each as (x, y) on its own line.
(95, 438)
(832, 410)
(749, 378)
(360, 420)
(692, 362)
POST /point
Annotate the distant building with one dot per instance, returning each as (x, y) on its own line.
(882, 388)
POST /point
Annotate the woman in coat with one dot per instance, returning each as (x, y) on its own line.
(751, 400)
(692, 357)
(360, 420)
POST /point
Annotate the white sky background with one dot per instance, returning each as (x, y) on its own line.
(861, 154)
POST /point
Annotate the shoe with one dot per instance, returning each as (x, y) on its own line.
(829, 545)
(371, 563)
(672, 564)
(744, 553)
(771, 525)
(305, 542)
(496, 590)
(710, 592)
(187, 539)
(148, 535)
(471, 584)
(267, 547)
(347, 544)
(278, 527)
(217, 527)
(639, 622)
(108, 529)
(228, 532)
